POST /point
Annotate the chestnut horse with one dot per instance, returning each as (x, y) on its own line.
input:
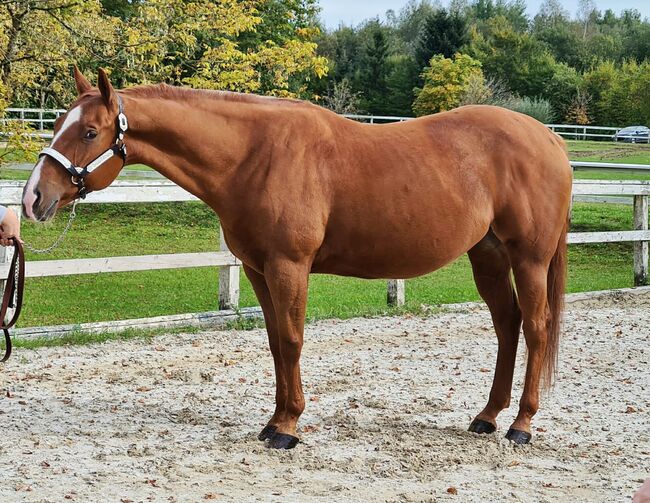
(300, 190)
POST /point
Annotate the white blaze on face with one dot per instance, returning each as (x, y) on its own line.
(29, 197)
(29, 194)
(73, 116)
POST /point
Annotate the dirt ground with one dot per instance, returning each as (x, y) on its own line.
(388, 404)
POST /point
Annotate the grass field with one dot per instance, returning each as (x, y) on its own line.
(109, 230)
(623, 153)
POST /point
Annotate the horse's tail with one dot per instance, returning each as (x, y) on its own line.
(556, 286)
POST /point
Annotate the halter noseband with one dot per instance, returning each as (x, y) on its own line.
(78, 173)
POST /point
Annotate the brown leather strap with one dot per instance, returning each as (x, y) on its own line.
(14, 287)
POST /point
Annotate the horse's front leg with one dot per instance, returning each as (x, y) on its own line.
(264, 297)
(287, 282)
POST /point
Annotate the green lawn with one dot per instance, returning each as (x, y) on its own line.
(605, 151)
(110, 230)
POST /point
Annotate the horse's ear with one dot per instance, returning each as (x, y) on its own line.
(106, 89)
(83, 85)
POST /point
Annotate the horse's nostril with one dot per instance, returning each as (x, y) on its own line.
(38, 196)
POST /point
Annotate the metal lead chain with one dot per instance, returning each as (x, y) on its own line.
(56, 243)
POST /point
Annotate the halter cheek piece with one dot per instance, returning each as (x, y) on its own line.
(79, 174)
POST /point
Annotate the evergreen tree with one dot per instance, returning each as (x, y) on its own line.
(372, 76)
(442, 33)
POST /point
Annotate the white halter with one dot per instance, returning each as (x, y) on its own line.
(78, 173)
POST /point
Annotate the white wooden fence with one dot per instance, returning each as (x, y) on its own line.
(130, 192)
(165, 191)
(43, 120)
(568, 131)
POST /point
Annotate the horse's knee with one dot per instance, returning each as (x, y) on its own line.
(291, 347)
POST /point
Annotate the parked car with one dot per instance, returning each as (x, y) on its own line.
(633, 134)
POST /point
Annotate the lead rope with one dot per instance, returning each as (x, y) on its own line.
(15, 282)
(58, 241)
(13, 295)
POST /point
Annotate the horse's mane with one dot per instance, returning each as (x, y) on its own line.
(189, 94)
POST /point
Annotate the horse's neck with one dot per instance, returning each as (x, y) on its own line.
(198, 145)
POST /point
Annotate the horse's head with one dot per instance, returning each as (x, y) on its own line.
(85, 137)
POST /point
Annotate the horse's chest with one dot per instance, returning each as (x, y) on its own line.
(245, 248)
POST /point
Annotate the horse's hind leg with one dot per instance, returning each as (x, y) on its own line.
(531, 279)
(491, 268)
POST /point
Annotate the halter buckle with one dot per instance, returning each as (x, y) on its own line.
(122, 122)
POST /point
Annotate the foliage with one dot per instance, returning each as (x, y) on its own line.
(20, 142)
(373, 68)
(39, 39)
(213, 45)
(265, 46)
(579, 110)
(517, 58)
(442, 33)
(403, 75)
(445, 82)
(620, 93)
(537, 108)
(342, 99)
(551, 56)
(482, 91)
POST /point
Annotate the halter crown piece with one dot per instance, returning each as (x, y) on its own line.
(78, 173)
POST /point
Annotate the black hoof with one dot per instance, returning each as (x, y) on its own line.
(480, 426)
(267, 432)
(282, 441)
(518, 437)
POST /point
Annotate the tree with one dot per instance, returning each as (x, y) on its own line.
(39, 39)
(373, 71)
(523, 62)
(445, 82)
(586, 15)
(408, 24)
(441, 33)
(342, 99)
(208, 44)
(551, 13)
(620, 93)
(512, 10)
(562, 88)
(579, 110)
(403, 77)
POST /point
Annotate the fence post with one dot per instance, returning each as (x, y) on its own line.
(7, 253)
(641, 247)
(228, 281)
(396, 292)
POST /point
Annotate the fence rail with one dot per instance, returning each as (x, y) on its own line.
(165, 191)
(43, 120)
(38, 117)
(569, 131)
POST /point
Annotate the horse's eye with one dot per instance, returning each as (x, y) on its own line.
(91, 135)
